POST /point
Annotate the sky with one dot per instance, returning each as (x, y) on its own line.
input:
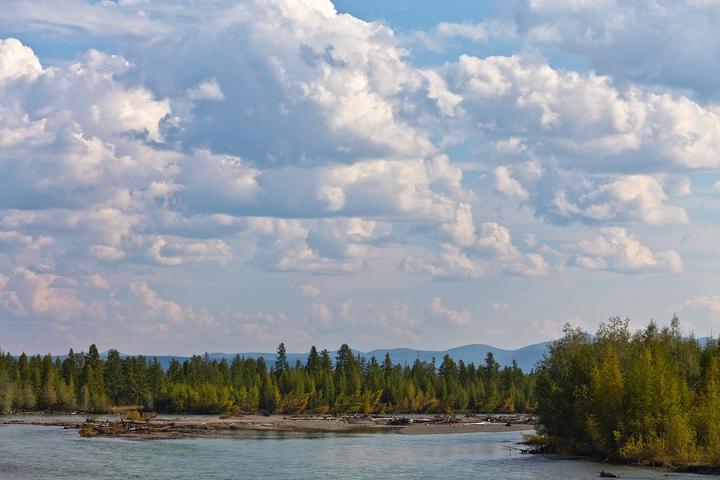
(181, 176)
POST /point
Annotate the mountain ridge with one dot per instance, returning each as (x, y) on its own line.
(526, 357)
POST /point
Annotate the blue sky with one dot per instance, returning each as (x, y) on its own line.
(223, 176)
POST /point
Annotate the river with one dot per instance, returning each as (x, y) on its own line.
(38, 453)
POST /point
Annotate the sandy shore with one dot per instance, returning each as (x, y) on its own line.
(434, 429)
(193, 426)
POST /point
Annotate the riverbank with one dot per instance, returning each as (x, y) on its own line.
(166, 427)
(543, 445)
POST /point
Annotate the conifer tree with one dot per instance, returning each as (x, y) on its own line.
(281, 363)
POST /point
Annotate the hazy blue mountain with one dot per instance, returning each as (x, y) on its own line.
(526, 357)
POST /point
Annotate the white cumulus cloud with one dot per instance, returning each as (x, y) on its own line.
(614, 249)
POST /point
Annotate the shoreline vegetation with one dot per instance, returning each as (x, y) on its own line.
(651, 398)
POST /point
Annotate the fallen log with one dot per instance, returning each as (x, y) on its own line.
(400, 421)
(604, 474)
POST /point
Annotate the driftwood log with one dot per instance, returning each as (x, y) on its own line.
(604, 474)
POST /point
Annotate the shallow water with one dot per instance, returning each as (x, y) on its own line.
(37, 453)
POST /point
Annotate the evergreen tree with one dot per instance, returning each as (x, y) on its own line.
(281, 363)
(114, 377)
(313, 360)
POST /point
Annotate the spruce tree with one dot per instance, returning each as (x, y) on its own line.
(281, 362)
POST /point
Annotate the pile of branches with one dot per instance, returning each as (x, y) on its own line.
(114, 428)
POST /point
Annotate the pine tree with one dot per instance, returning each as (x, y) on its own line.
(281, 363)
(313, 360)
(114, 377)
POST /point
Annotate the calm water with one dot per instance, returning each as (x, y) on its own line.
(30, 452)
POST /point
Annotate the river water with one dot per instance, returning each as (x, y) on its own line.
(38, 453)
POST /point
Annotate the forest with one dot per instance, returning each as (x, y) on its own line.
(90, 382)
(649, 397)
(652, 397)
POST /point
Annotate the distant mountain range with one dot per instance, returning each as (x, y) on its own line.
(526, 357)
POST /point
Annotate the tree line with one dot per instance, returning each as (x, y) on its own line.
(652, 397)
(348, 383)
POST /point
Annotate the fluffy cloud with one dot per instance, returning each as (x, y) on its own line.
(576, 115)
(65, 132)
(324, 313)
(308, 82)
(629, 198)
(452, 263)
(309, 291)
(373, 321)
(459, 318)
(67, 304)
(216, 183)
(477, 252)
(332, 246)
(131, 200)
(413, 188)
(157, 308)
(505, 183)
(29, 293)
(566, 196)
(17, 62)
(177, 251)
(77, 15)
(710, 305)
(647, 41)
(206, 90)
(615, 249)
(445, 32)
(499, 307)
(462, 231)
(576, 147)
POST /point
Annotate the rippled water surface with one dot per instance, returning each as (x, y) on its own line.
(31, 452)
